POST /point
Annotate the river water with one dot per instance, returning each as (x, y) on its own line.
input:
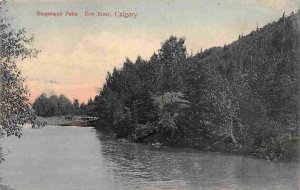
(65, 158)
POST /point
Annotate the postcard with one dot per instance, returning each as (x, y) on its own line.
(149, 94)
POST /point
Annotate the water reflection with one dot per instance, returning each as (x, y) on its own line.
(73, 158)
(148, 166)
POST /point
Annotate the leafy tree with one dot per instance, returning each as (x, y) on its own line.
(64, 105)
(15, 109)
(60, 106)
(76, 104)
(41, 105)
(169, 108)
(227, 96)
(171, 59)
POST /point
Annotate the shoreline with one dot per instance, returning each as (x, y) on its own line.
(225, 149)
(62, 121)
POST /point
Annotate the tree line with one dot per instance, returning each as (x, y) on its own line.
(54, 105)
(242, 96)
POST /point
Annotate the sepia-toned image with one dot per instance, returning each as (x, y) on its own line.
(149, 94)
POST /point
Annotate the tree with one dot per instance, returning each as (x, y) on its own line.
(76, 105)
(171, 59)
(227, 96)
(170, 106)
(15, 109)
(54, 105)
(64, 105)
(41, 105)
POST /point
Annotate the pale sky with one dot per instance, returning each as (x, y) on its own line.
(77, 52)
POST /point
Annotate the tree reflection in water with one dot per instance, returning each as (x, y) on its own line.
(148, 166)
(72, 158)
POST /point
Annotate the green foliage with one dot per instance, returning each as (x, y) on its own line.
(170, 105)
(15, 109)
(143, 131)
(60, 106)
(226, 96)
(244, 94)
(278, 148)
(168, 99)
(87, 109)
(272, 147)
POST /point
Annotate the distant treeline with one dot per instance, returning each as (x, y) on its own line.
(45, 106)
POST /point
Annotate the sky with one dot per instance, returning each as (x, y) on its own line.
(77, 52)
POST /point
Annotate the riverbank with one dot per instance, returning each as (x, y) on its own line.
(205, 145)
(63, 121)
(226, 148)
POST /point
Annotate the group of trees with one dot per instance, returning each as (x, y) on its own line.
(45, 106)
(243, 94)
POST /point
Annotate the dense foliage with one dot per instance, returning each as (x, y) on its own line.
(240, 96)
(60, 106)
(15, 109)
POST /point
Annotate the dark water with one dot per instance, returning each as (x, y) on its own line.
(78, 158)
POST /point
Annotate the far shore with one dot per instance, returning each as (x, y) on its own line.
(64, 121)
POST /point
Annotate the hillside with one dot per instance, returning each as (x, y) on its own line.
(241, 97)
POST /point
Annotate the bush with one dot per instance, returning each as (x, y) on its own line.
(277, 148)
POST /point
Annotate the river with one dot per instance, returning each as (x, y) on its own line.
(69, 158)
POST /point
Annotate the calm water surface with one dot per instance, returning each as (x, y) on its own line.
(63, 158)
